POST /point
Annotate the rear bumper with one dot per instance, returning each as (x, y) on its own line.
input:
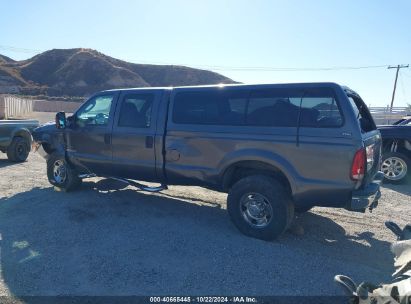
(367, 197)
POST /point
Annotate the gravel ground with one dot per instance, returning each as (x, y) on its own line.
(109, 240)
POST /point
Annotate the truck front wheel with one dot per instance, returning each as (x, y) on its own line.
(260, 207)
(19, 149)
(61, 174)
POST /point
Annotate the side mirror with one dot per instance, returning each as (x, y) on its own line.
(61, 120)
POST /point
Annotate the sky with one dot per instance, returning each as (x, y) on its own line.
(248, 41)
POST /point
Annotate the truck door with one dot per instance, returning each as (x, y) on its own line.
(133, 135)
(88, 136)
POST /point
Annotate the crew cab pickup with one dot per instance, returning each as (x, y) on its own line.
(15, 138)
(273, 148)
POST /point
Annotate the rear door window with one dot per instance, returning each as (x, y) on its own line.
(135, 111)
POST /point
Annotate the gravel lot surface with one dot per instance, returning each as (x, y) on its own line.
(107, 239)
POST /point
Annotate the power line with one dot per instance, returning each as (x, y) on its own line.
(232, 68)
(18, 50)
(309, 69)
(280, 69)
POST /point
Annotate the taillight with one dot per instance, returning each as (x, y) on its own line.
(358, 165)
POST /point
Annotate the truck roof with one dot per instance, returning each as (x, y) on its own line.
(222, 85)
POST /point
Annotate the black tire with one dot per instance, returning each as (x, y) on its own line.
(404, 164)
(18, 150)
(304, 209)
(61, 174)
(266, 191)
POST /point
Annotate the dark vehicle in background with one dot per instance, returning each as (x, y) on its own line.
(396, 151)
(15, 138)
(273, 148)
(406, 120)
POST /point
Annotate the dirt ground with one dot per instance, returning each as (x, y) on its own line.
(107, 239)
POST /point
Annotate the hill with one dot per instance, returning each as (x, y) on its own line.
(5, 59)
(81, 72)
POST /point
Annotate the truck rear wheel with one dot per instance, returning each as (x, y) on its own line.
(260, 207)
(18, 150)
(304, 209)
(61, 174)
(395, 167)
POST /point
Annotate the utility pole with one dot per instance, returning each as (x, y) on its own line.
(398, 67)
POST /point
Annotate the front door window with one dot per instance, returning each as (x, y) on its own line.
(95, 112)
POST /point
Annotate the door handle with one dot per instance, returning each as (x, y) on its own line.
(107, 139)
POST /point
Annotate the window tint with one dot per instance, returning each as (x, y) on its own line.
(95, 112)
(274, 107)
(215, 107)
(319, 109)
(264, 107)
(233, 106)
(135, 111)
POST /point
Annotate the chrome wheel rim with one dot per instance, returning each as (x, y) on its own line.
(256, 209)
(394, 168)
(59, 172)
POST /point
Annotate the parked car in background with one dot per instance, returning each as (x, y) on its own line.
(272, 148)
(396, 151)
(15, 138)
(406, 120)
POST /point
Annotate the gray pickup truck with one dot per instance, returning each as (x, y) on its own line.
(15, 138)
(273, 148)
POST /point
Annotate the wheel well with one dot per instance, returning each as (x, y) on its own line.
(397, 145)
(243, 169)
(22, 133)
(47, 148)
